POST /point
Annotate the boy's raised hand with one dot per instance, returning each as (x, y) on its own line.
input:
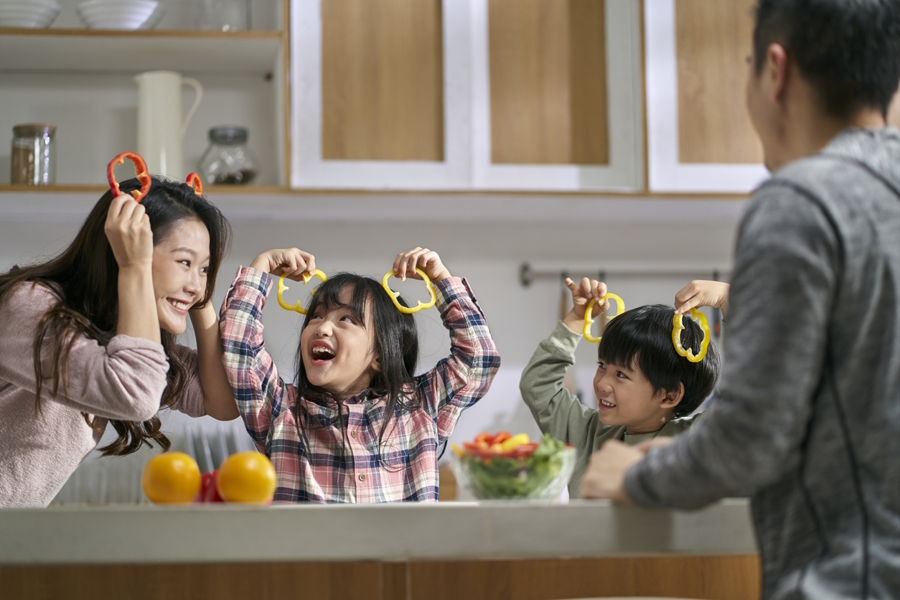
(406, 263)
(702, 293)
(290, 262)
(582, 293)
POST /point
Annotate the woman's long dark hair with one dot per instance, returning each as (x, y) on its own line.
(396, 345)
(85, 279)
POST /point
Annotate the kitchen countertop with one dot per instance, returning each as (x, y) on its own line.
(125, 534)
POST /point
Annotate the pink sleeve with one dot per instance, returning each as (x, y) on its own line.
(123, 380)
(190, 402)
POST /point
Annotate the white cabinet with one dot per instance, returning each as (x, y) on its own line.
(468, 94)
(82, 81)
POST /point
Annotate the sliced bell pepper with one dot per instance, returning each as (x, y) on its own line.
(678, 327)
(193, 180)
(500, 438)
(140, 168)
(394, 295)
(589, 319)
(298, 306)
(513, 442)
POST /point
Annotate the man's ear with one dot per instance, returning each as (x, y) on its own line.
(778, 71)
(672, 398)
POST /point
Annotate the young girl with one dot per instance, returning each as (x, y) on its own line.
(357, 425)
(88, 337)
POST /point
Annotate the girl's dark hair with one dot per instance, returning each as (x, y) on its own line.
(847, 49)
(85, 279)
(396, 344)
(643, 336)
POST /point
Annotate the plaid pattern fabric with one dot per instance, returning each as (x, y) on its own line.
(343, 461)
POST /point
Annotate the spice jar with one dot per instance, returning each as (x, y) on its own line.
(33, 154)
(228, 160)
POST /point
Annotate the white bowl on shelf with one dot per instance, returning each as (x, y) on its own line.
(116, 14)
(154, 18)
(32, 14)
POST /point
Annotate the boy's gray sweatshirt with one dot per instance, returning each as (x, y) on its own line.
(809, 413)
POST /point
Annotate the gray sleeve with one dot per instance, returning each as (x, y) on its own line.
(782, 292)
(556, 410)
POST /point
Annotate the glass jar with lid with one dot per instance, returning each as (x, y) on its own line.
(228, 160)
(33, 160)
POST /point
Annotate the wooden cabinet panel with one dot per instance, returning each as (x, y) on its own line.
(382, 80)
(713, 39)
(548, 96)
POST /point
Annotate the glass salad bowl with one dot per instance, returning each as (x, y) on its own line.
(527, 470)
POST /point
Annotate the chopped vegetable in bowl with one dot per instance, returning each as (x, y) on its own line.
(505, 466)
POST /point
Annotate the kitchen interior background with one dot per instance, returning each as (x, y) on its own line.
(676, 230)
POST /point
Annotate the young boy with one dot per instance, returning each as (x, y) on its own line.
(644, 388)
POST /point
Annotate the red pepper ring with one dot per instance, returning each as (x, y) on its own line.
(193, 180)
(140, 168)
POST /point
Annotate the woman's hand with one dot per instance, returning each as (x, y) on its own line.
(406, 263)
(290, 262)
(128, 230)
(582, 293)
(605, 474)
(702, 293)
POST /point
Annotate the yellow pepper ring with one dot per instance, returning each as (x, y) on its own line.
(589, 319)
(394, 295)
(306, 277)
(678, 327)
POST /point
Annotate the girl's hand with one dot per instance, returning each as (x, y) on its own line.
(702, 293)
(406, 263)
(128, 230)
(290, 262)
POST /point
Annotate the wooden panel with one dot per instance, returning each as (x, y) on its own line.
(447, 490)
(893, 117)
(713, 40)
(725, 578)
(382, 80)
(548, 82)
(311, 581)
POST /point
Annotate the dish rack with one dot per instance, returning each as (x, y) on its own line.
(117, 479)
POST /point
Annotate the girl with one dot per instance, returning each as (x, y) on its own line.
(88, 337)
(356, 425)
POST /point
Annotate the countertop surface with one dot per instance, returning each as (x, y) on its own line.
(123, 534)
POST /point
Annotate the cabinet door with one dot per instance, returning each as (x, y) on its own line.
(381, 94)
(556, 94)
(699, 134)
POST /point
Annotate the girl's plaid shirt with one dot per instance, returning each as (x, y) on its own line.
(341, 463)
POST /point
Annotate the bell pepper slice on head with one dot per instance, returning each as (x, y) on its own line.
(589, 318)
(394, 295)
(140, 168)
(678, 327)
(193, 180)
(281, 289)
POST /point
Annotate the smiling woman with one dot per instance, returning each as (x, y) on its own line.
(89, 337)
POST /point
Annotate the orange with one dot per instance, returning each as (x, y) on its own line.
(171, 478)
(247, 477)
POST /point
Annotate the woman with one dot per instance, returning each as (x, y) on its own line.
(88, 337)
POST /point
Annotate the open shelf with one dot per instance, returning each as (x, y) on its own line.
(84, 50)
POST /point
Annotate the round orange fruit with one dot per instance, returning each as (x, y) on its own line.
(171, 478)
(247, 477)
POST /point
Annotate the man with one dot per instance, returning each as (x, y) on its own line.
(809, 414)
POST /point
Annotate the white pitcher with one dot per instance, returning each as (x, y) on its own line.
(160, 125)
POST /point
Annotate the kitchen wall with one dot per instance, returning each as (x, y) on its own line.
(616, 233)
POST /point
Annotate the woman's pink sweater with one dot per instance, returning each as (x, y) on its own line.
(124, 381)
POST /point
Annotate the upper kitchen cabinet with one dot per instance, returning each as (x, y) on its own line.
(381, 94)
(556, 94)
(83, 81)
(466, 94)
(699, 134)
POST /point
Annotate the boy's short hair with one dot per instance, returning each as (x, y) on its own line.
(847, 49)
(643, 337)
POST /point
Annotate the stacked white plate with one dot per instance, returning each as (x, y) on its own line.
(27, 13)
(116, 14)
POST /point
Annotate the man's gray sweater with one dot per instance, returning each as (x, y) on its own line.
(809, 413)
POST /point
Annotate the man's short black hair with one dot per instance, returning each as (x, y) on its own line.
(642, 337)
(849, 50)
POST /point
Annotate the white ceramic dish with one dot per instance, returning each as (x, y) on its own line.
(32, 15)
(116, 14)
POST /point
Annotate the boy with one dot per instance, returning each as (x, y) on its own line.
(644, 388)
